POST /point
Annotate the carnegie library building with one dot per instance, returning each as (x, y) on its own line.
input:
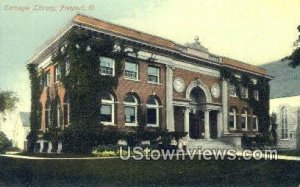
(181, 88)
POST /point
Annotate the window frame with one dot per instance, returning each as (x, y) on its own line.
(135, 105)
(113, 66)
(137, 71)
(57, 71)
(255, 121)
(231, 88)
(244, 92)
(58, 116)
(48, 119)
(284, 124)
(112, 104)
(158, 75)
(256, 95)
(67, 105)
(47, 79)
(245, 116)
(233, 113)
(156, 107)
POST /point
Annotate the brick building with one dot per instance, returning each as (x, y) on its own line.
(179, 86)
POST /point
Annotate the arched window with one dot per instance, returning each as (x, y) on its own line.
(244, 120)
(131, 104)
(284, 123)
(152, 112)
(66, 110)
(107, 109)
(48, 120)
(232, 119)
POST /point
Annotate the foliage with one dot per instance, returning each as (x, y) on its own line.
(4, 142)
(84, 84)
(294, 58)
(36, 106)
(8, 100)
(81, 137)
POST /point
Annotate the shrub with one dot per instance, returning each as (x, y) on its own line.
(81, 137)
(4, 142)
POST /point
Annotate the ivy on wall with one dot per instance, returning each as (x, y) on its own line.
(36, 106)
(260, 107)
(83, 82)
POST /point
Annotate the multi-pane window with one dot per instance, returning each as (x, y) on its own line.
(232, 90)
(256, 95)
(244, 121)
(232, 119)
(152, 112)
(57, 73)
(47, 79)
(153, 74)
(284, 123)
(107, 66)
(48, 115)
(66, 110)
(131, 70)
(131, 110)
(58, 115)
(107, 109)
(244, 92)
(255, 123)
(67, 67)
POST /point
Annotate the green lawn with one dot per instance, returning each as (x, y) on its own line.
(118, 172)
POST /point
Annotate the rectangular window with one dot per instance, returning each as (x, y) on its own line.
(153, 74)
(256, 95)
(107, 66)
(58, 116)
(57, 74)
(231, 122)
(47, 79)
(151, 116)
(67, 66)
(244, 123)
(255, 123)
(244, 92)
(106, 113)
(232, 90)
(129, 114)
(131, 70)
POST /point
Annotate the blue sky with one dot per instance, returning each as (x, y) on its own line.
(252, 31)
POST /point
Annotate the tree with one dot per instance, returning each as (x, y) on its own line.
(8, 100)
(294, 58)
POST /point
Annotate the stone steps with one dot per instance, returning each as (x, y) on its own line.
(209, 144)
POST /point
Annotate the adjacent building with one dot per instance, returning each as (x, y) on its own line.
(285, 103)
(181, 87)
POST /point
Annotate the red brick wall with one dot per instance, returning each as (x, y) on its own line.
(189, 76)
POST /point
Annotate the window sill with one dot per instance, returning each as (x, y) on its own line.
(130, 79)
(152, 125)
(234, 96)
(130, 125)
(108, 124)
(285, 139)
(156, 83)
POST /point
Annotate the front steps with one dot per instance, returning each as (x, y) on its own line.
(209, 144)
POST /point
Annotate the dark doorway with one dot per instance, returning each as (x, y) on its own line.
(197, 125)
(213, 124)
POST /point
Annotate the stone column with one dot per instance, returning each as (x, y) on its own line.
(187, 121)
(206, 124)
(41, 146)
(225, 105)
(49, 147)
(219, 124)
(169, 99)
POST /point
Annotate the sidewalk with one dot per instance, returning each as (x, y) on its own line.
(239, 154)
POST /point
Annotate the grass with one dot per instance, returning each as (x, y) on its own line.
(117, 172)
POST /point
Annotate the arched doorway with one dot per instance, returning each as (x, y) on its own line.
(197, 99)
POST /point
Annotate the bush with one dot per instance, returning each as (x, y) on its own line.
(4, 142)
(81, 137)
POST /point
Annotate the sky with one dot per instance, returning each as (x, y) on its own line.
(253, 31)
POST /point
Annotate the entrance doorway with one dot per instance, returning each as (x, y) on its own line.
(213, 124)
(197, 125)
